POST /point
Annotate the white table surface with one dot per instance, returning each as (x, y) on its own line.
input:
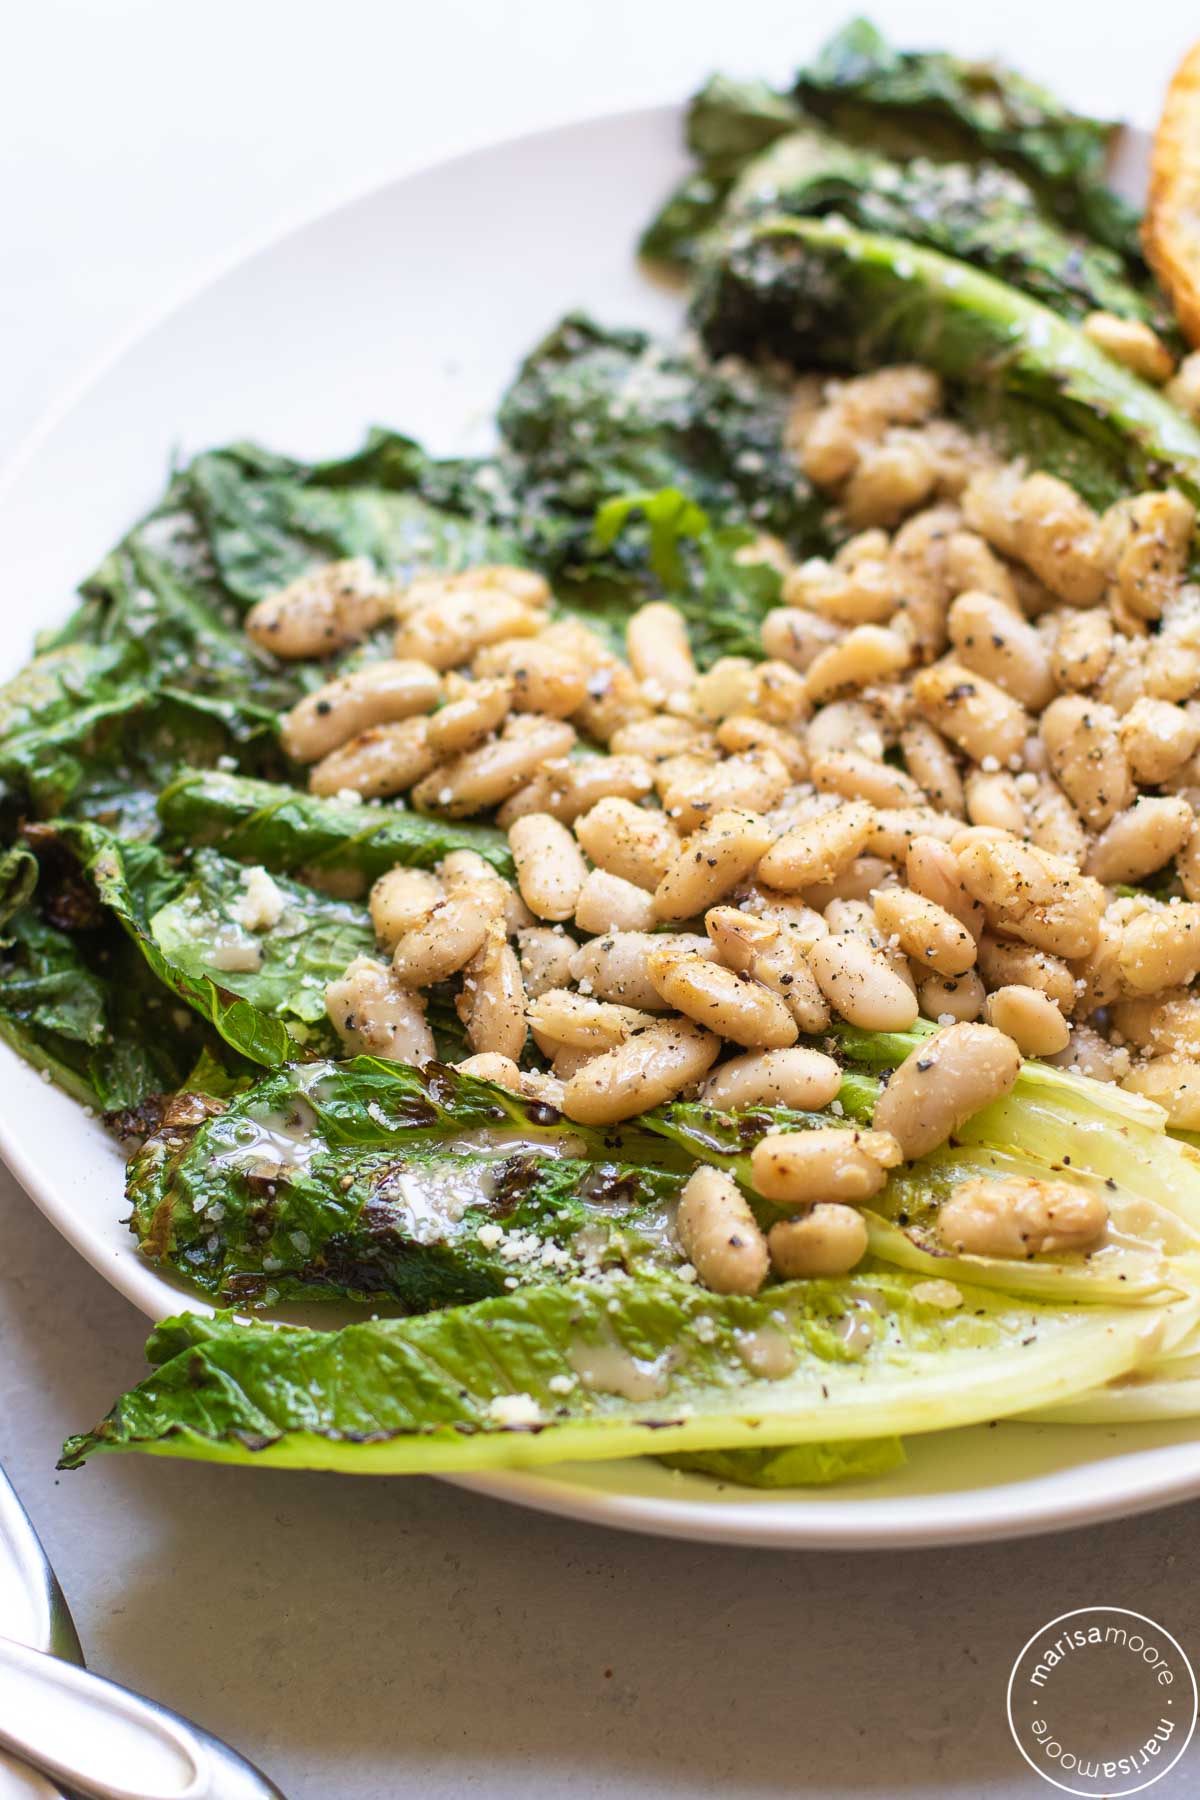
(374, 1639)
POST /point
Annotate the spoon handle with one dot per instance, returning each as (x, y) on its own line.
(106, 1743)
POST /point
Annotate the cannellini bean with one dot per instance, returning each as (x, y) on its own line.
(1171, 670)
(401, 899)
(891, 479)
(925, 931)
(659, 653)
(1092, 1055)
(473, 710)
(550, 869)
(947, 999)
(1085, 755)
(894, 829)
(652, 1067)
(544, 678)
(828, 1239)
(383, 760)
(972, 566)
(1148, 542)
(803, 1079)
(1044, 523)
(1157, 738)
(860, 984)
(323, 611)
(829, 1163)
(488, 1065)
(1187, 866)
(742, 732)
(857, 881)
(445, 941)
(545, 954)
(1141, 840)
(930, 761)
(918, 561)
(560, 1019)
(755, 780)
(971, 711)
(374, 1015)
(485, 579)
(484, 777)
(630, 841)
(819, 849)
(1082, 649)
(1131, 342)
(733, 1005)
(996, 641)
(1160, 948)
(465, 871)
(1174, 1083)
(660, 735)
(1097, 978)
(846, 725)
(868, 654)
(796, 637)
(1032, 895)
(1052, 822)
(858, 777)
(565, 788)
(1020, 1216)
(773, 952)
(492, 1004)
(948, 1078)
(606, 903)
(778, 695)
(1003, 963)
(382, 693)
(720, 1235)
(614, 701)
(725, 688)
(711, 864)
(614, 967)
(1030, 1018)
(863, 594)
(449, 630)
(931, 869)
(994, 799)
(1165, 1024)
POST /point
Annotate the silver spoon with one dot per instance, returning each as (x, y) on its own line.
(100, 1740)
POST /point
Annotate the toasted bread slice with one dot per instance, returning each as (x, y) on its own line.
(1171, 232)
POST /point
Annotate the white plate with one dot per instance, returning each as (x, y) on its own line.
(410, 307)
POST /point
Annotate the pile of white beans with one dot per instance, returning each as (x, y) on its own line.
(972, 727)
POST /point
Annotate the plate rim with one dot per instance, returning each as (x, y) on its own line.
(802, 1522)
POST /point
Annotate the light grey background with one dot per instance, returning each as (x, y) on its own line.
(384, 1639)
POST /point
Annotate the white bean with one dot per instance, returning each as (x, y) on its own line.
(651, 1068)
(830, 1163)
(732, 1005)
(550, 870)
(950, 1075)
(860, 984)
(374, 1015)
(382, 693)
(803, 1079)
(720, 1235)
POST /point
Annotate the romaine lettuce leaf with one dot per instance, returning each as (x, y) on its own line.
(609, 1368)
(797, 1465)
(284, 829)
(818, 293)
